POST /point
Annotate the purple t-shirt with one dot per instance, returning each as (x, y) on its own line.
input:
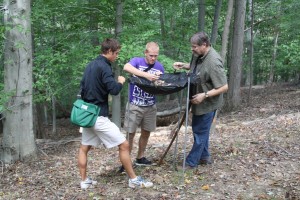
(137, 95)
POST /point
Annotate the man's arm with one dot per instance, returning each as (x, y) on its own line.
(198, 98)
(217, 91)
(181, 65)
(131, 69)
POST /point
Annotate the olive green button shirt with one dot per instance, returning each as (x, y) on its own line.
(210, 71)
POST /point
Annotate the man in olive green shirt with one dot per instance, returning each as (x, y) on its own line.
(206, 95)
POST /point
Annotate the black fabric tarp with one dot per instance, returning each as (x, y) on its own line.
(168, 83)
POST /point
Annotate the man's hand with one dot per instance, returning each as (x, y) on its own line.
(180, 65)
(198, 98)
(152, 77)
(121, 79)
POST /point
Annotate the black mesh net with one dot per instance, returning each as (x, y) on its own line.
(168, 83)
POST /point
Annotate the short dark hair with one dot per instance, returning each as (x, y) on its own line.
(200, 38)
(110, 44)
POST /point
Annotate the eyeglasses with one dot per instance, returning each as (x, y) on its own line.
(197, 46)
(153, 56)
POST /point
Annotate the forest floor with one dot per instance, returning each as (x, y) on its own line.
(256, 153)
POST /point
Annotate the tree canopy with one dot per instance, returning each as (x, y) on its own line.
(67, 34)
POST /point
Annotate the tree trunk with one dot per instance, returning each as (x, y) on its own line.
(214, 32)
(39, 121)
(51, 92)
(162, 28)
(248, 35)
(201, 15)
(93, 23)
(54, 115)
(18, 135)
(234, 96)
(116, 108)
(272, 67)
(225, 34)
(119, 14)
(251, 53)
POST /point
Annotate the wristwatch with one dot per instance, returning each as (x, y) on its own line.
(206, 94)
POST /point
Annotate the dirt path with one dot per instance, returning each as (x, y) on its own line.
(256, 154)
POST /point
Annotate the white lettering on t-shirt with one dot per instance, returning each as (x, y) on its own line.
(141, 98)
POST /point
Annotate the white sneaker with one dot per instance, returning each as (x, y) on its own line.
(139, 183)
(87, 183)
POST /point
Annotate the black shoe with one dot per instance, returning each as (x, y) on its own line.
(208, 161)
(143, 161)
(121, 170)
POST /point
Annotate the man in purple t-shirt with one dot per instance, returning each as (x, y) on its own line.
(141, 108)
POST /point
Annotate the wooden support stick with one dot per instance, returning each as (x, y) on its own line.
(175, 133)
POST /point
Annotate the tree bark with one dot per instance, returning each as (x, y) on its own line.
(272, 67)
(214, 32)
(248, 44)
(116, 100)
(18, 134)
(38, 121)
(54, 115)
(93, 24)
(201, 15)
(251, 53)
(233, 95)
(162, 29)
(225, 34)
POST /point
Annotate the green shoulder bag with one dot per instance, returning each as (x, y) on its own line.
(84, 114)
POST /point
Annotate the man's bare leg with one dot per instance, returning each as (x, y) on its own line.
(130, 140)
(125, 159)
(82, 160)
(143, 141)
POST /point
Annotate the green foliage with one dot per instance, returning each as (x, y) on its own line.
(4, 98)
(274, 17)
(132, 49)
(129, 50)
(4, 95)
(167, 62)
(63, 47)
(289, 59)
(67, 35)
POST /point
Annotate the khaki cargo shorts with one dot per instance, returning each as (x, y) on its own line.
(140, 116)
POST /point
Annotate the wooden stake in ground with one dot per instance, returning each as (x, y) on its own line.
(174, 132)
